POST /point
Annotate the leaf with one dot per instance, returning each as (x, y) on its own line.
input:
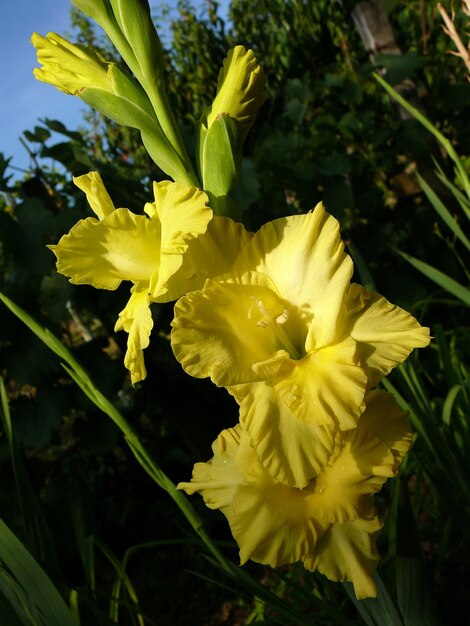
(380, 611)
(413, 595)
(32, 582)
(442, 211)
(441, 279)
(36, 530)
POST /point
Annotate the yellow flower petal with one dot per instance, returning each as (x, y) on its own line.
(347, 552)
(123, 246)
(359, 467)
(183, 214)
(220, 332)
(304, 256)
(136, 319)
(96, 193)
(385, 333)
(386, 420)
(213, 253)
(69, 67)
(270, 523)
(217, 479)
(326, 387)
(291, 451)
(240, 89)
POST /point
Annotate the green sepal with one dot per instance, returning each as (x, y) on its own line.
(220, 156)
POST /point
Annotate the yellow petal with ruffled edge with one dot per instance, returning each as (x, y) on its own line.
(347, 552)
(326, 387)
(69, 67)
(183, 214)
(240, 89)
(304, 256)
(359, 467)
(136, 319)
(387, 421)
(123, 246)
(218, 479)
(385, 333)
(223, 332)
(213, 253)
(291, 451)
(269, 520)
(96, 193)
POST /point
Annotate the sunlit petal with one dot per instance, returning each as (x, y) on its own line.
(123, 246)
(304, 255)
(96, 193)
(292, 451)
(385, 333)
(136, 319)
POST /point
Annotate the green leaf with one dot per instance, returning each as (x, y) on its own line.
(441, 279)
(32, 582)
(38, 536)
(380, 611)
(442, 211)
(445, 143)
(413, 595)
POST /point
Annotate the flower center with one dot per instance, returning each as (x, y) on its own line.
(275, 324)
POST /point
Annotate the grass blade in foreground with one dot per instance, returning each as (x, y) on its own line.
(444, 281)
(33, 583)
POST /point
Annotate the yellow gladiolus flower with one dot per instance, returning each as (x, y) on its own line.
(69, 67)
(147, 250)
(292, 340)
(240, 90)
(331, 518)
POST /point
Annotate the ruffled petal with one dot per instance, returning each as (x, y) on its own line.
(220, 331)
(270, 523)
(326, 387)
(123, 246)
(347, 552)
(387, 421)
(209, 255)
(136, 319)
(304, 255)
(385, 333)
(182, 214)
(218, 479)
(96, 193)
(291, 451)
(359, 467)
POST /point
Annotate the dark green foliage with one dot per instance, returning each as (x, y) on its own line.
(327, 132)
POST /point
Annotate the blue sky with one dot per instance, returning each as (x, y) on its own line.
(23, 99)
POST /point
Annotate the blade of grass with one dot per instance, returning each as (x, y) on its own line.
(380, 611)
(442, 211)
(134, 609)
(38, 537)
(32, 579)
(413, 597)
(446, 143)
(441, 279)
(361, 266)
